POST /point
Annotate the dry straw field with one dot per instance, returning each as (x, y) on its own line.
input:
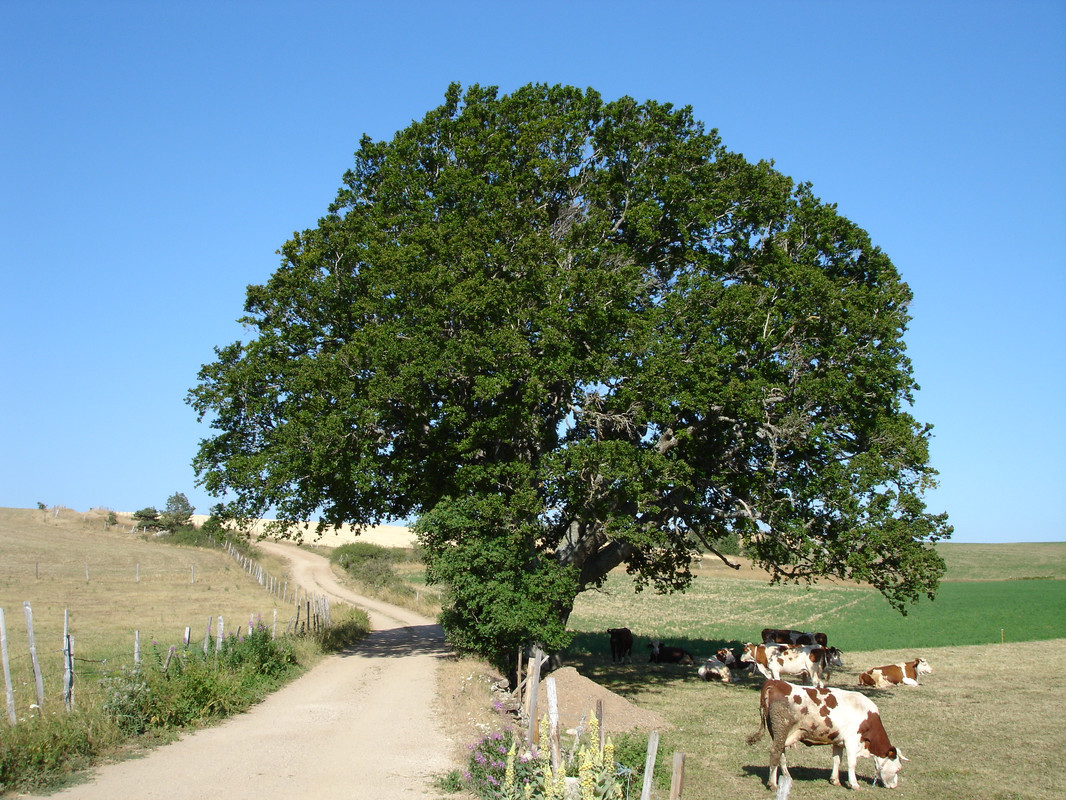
(113, 584)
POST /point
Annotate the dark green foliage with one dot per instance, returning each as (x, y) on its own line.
(371, 565)
(631, 750)
(487, 763)
(570, 334)
(349, 626)
(178, 512)
(147, 518)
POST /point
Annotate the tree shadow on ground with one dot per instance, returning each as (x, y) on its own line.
(400, 642)
(590, 654)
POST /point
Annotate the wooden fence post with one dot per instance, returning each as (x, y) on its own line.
(68, 673)
(677, 779)
(649, 764)
(533, 688)
(553, 722)
(33, 657)
(603, 728)
(136, 647)
(218, 641)
(7, 670)
(207, 636)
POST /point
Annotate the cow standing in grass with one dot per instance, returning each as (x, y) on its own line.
(621, 645)
(775, 660)
(789, 636)
(849, 721)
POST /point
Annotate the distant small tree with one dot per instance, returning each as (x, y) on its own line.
(110, 520)
(178, 512)
(147, 518)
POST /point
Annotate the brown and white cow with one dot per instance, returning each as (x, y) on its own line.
(714, 669)
(775, 660)
(789, 636)
(621, 645)
(849, 721)
(668, 654)
(894, 674)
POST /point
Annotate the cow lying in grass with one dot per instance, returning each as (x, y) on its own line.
(668, 654)
(895, 674)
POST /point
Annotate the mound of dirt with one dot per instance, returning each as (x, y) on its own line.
(577, 696)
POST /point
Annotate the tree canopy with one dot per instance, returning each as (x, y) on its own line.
(568, 334)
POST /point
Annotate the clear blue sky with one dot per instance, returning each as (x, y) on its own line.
(153, 156)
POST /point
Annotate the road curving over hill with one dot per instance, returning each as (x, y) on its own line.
(360, 724)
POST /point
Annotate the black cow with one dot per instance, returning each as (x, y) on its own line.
(621, 645)
(668, 654)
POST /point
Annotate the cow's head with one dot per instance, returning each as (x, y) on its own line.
(921, 667)
(833, 658)
(887, 768)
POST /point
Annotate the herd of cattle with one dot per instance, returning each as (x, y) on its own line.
(793, 713)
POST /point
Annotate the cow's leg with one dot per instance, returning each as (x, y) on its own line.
(834, 777)
(853, 756)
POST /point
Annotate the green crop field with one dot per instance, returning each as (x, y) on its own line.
(717, 611)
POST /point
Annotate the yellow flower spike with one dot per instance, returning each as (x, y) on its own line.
(559, 784)
(508, 775)
(543, 743)
(587, 775)
(608, 754)
(594, 731)
(529, 791)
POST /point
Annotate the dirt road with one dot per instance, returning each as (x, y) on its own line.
(359, 725)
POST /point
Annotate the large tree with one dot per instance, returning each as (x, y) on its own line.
(567, 335)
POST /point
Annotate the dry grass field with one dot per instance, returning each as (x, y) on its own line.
(133, 584)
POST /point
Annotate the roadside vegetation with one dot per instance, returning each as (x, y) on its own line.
(81, 563)
(393, 574)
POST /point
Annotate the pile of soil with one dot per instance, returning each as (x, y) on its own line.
(577, 696)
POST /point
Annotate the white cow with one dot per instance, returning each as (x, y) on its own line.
(894, 674)
(775, 660)
(849, 721)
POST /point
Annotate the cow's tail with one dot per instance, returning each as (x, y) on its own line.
(762, 727)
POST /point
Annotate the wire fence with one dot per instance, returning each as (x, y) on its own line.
(40, 673)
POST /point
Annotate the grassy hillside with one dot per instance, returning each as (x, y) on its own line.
(989, 562)
(133, 584)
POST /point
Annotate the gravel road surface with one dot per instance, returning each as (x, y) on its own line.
(359, 725)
